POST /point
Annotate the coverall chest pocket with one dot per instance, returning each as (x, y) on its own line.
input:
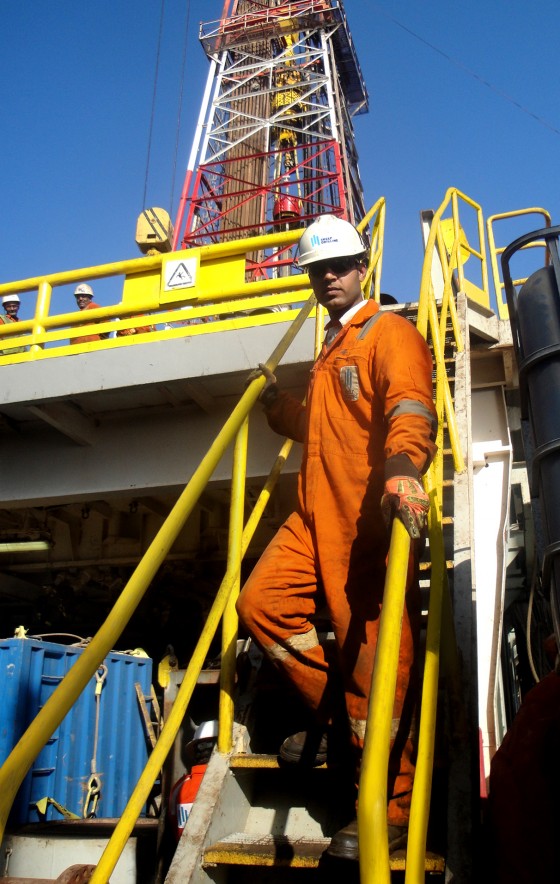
(349, 383)
(349, 369)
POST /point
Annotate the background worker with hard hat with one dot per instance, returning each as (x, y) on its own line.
(11, 305)
(368, 430)
(84, 299)
(184, 792)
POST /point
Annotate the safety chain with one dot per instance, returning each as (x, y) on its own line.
(94, 783)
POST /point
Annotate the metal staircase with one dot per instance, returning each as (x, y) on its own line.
(256, 819)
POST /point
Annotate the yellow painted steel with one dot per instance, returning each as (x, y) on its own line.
(421, 794)
(171, 728)
(427, 307)
(230, 621)
(124, 828)
(144, 292)
(18, 763)
(491, 221)
(372, 797)
(377, 243)
(133, 809)
(41, 313)
(372, 806)
(48, 719)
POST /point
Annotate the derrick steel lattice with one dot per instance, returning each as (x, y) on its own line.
(274, 145)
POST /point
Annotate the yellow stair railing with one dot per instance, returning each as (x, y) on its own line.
(496, 251)
(20, 759)
(446, 242)
(18, 763)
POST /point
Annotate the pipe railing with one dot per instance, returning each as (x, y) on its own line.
(374, 774)
(434, 323)
(372, 803)
(372, 816)
(60, 702)
(217, 301)
(224, 604)
(497, 251)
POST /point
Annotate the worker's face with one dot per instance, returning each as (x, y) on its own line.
(82, 301)
(11, 308)
(337, 283)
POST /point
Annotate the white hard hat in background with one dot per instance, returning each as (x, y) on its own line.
(329, 237)
(83, 289)
(11, 299)
(208, 730)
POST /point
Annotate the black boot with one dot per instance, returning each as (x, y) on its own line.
(308, 748)
(344, 845)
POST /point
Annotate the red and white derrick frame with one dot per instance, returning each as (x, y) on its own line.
(274, 143)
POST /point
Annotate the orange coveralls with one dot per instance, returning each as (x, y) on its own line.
(369, 416)
(84, 339)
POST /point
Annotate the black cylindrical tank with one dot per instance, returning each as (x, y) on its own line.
(535, 319)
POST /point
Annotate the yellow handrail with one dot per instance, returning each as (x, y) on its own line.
(21, 758)
(427, 306)
(230, 620)
(372, 795)
(372, 802)
(377, 244)
(503, 311)
(48, 719)
(147, 291)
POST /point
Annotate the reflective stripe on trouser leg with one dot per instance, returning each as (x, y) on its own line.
(276, 605)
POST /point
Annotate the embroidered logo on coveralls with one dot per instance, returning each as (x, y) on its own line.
(349, 383)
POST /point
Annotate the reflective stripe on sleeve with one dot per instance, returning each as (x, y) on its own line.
(413, 406)
(298, 643)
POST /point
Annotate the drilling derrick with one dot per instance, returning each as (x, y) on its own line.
(274, 144)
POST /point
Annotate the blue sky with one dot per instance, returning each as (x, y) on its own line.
(461, 95)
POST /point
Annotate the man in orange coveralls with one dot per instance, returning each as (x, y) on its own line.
(368, 432)
(84, 299)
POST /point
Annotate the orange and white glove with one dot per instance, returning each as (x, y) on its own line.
(405, 497)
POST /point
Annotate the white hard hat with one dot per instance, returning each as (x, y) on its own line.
(11, 299)
(83, 289)
(329, 237)
(208, 730)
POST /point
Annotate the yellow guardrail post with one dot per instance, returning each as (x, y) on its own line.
(421, 794)
(375, 263)
(41, 313)
(230, 619)
(372, 810)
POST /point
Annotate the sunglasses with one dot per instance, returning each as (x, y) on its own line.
(335, 265)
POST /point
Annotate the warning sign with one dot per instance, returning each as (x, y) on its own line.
(180, 274)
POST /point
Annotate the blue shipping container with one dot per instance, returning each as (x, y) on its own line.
(30, 670)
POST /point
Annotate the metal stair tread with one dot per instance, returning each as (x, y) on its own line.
(240, 848)
(265, 850)
(258, 760)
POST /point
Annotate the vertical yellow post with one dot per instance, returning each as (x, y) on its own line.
(230, 619)
(372, 798)
(41, 312)
(421, 794)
